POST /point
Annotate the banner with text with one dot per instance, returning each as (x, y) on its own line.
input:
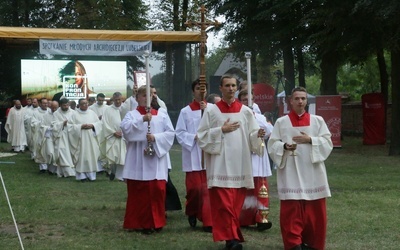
(94, 47)
(330, 108)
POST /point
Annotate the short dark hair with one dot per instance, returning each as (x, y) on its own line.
(227, 76)
(81, 99)
(63, 101)
(195, 82)
(243, 92)
(100, 95)
(299, 88)
(117, 94)
(211, 98)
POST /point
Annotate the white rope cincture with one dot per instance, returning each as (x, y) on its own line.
(12, 214)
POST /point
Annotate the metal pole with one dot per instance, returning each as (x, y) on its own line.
(249, 85)
(12, 214)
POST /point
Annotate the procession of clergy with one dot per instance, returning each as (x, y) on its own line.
(95, 138)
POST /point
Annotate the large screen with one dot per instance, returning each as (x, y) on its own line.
(72, 79)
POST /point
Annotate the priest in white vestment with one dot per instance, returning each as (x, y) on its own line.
(130, 102)
(15, 127)
(115, 146)
(65, 165)
(228, 133)
(146, 175)
(36, 123)
(197, 205)
(45, 153)
(254, 203)
(83, 129)
(299, 145)
(28, 128)
(99, 107)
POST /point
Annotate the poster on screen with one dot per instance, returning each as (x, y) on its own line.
(49, 78)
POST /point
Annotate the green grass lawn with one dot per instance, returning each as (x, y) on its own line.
(54, 213)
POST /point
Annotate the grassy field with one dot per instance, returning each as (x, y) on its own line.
(55, 213)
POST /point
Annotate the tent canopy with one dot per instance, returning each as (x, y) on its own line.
(23, 35)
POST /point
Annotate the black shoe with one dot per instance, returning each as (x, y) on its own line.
(233, 245)
(264, 226)
(42, 171)
(147, 231)
(112, 176)
(298, 247)
(207, 229)
(84, 180)
(192, 221)
(157, 230)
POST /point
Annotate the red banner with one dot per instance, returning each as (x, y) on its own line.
(330, 108)
(264, 96)
(374, 124)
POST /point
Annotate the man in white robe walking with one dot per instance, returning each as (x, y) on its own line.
(15, 127)
(45, 153)
(299, 145)
(65, 165)
(254, 202)
(36, 123)
(83, 128)
(197, 206)
(228, 133)
(99, 109)
(115, 146)
(146, 175)
(28, 128)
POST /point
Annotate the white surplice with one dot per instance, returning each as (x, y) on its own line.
(228, 161)
(301, 177)
(186, 129)
(137, 165)
(261, 166)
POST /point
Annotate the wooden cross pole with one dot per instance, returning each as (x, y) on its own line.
(203, 24)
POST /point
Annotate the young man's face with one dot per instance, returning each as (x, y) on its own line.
(197, 93)
(35, 103)
(44, 104)
(100, 100)
(65, 106)
(228, 88)
(298, 101)
(141, 99)
(83, 105)
(117, 101)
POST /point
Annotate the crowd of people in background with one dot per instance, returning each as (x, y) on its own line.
(130, 142)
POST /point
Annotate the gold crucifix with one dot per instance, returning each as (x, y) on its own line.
(203, 24)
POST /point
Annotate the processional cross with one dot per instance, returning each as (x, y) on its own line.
(203, 24)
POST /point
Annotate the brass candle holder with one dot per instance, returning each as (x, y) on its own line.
(264, 212)
(263, 192)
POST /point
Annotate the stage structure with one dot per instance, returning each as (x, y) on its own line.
(172, 88)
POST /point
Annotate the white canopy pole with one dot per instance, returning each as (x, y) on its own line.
(146, 56)
(249, 85)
